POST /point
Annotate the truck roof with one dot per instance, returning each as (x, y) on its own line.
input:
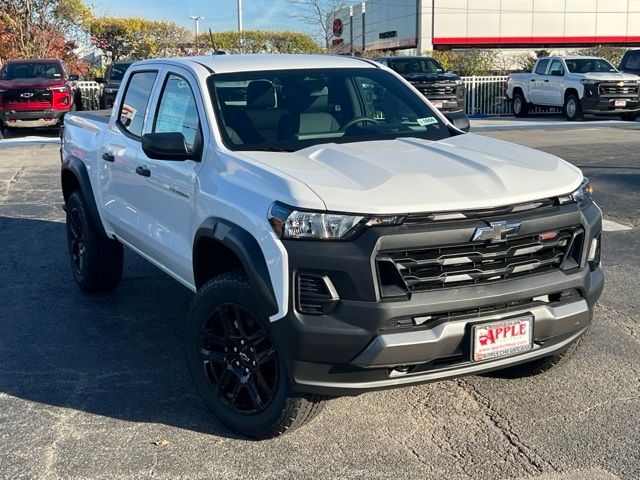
(571, 57)
(34, 60)
(248, 63)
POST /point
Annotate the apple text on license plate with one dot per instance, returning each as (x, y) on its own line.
(620, 103)
(502, 338)
(437, 104)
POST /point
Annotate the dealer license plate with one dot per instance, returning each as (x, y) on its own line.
(502, 338)
(437, 104)
(620, 103)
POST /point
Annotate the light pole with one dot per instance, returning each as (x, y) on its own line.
(196, 19)
(240, 22)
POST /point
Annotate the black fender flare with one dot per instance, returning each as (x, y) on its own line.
(77, 168)
(247, 249)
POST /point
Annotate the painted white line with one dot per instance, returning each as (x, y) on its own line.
(610, 226)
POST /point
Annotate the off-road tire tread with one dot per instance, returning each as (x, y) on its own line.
(106, 255)
(298, 409)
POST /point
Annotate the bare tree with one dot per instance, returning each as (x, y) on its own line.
(319, 14)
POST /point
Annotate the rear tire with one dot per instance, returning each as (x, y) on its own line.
(519, 105)
(96, 261)
(236, 366)
(541, 365)
(572, 109)
(630, 117)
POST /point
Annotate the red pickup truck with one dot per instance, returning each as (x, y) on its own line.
(34, 93)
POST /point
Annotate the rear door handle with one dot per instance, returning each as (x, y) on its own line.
(143, 171)
(532, 80)
(108, 157)
(546, 81)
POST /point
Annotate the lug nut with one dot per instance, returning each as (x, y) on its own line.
(237, 364)
(241, 342)
(254, 363)
(235, 349)
(246, 370)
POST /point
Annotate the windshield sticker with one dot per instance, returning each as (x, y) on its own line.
(423, 122)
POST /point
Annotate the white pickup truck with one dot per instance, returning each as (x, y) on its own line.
(578, 85)
(339, 234)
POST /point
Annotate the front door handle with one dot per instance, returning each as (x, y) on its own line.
(546, 81)
(108, 157)
(143, 171)
(532, 80)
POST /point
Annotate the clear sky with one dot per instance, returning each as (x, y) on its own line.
(220, 15)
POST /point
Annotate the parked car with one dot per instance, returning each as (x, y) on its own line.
(630, 62)
(577, 84)
(111, 80)
(339, 234)
(34, 93)
(445, 90)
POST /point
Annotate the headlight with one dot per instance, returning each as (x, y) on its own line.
(288, 222)
(586, 81)
(459, 82)
(110, 90)
(582, 196)
(59, 89)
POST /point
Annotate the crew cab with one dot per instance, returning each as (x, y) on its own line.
(445, 90)
(339, 233)
(578, 85)
(112, 80)
(34, 93)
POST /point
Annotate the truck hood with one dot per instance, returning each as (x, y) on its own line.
(20, 83)
(411, 175)
(429, 77)
(607, 76)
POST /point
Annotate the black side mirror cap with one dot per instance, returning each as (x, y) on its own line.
(459, 120)
(166, 146)
(100, 80)
(557, 73)
(74, 77)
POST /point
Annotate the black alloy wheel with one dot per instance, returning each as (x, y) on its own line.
(77, 241)
(239, 359)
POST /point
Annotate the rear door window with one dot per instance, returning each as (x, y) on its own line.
(134, 104)
(541, 69)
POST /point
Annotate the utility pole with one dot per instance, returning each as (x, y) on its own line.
(240, 22)
(351, 30)
(196, 19)
(364, 40)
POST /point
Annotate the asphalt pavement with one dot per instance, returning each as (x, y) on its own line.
(98, 387)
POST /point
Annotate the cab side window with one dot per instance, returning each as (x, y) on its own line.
(632, 61)
(556, 66)
(134, 105)
(177, 111)
(542, 66)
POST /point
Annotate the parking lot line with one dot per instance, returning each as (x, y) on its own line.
(611, 226)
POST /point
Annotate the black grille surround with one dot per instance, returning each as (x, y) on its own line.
(450, 266)
(437, 89)
(27, 95)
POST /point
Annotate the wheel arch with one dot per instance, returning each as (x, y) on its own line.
(569, 91)
(74, 176)
(221, 246)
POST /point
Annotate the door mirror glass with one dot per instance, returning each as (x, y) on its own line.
(166, 146)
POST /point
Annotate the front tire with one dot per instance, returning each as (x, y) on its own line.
(519, 105)
(572, 109)
(96, 261)
(630, 117)
(236, 365)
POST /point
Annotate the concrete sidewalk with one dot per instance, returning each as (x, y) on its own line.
(544, 121)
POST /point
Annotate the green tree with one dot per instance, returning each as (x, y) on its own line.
(139, 38)
(613, 54)
(260, 41)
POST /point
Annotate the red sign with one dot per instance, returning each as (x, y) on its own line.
(337, 41)
(337, 27)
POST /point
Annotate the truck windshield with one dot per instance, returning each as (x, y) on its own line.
(287, 110)
(589, 65)
(13, 71)
(415, 65)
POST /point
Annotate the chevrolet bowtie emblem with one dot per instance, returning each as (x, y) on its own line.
(621, 84)
(496, 232)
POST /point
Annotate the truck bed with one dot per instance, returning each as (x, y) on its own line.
(101, 116)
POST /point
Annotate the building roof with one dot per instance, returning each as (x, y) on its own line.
(248, 63)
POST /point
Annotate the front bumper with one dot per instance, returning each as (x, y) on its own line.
(31, 119)
(365, 342)
(603, 105)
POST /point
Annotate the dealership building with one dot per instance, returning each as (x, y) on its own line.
(411, 26)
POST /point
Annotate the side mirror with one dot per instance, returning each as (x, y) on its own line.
(459, 120)
(166, 146)
(100, 80)
(452, 72)
(74, 77)
(557, 73)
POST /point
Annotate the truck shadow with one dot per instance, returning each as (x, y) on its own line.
(119, 355)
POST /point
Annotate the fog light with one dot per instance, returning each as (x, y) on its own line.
(593, 250)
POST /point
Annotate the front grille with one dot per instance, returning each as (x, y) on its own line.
(437, 89)
(475, 263)
(619, 88)
(36, 98)
(315, 294)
